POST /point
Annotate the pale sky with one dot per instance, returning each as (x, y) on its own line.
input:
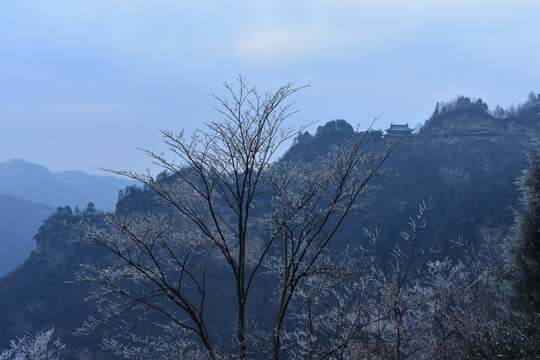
(84, 83)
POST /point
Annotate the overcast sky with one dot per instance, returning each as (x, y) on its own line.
(84, 83)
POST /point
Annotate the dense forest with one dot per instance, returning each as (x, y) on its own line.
(422, 248)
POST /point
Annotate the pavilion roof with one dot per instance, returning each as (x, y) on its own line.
(399, 127)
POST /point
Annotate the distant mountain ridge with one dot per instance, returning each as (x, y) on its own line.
(38, 184)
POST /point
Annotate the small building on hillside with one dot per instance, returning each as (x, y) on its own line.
(397, 131)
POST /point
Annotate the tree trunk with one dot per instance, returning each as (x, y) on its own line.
(242, 329)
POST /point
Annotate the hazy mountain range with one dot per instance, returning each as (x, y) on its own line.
(29, 193)
(74, 188)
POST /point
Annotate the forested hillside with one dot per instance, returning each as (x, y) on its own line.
(463, 164)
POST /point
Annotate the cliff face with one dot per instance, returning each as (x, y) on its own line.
(463, 123)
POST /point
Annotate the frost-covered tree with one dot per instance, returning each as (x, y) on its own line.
(231, 211)
(38, 347)
(356, 307)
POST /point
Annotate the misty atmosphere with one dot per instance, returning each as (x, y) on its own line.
(317, 180)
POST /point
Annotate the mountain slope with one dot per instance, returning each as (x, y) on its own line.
(19, 221)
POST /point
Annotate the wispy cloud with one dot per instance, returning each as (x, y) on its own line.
(284, 44)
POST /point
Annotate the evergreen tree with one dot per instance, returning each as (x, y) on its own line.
(524, 245)
(515, 331)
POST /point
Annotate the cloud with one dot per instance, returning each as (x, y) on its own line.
(274, 44)
(285, 44)
(285, 33)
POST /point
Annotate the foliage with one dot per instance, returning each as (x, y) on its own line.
(357, 307)
(526, 112)
(515, 331)
(523, 247)
(327, 138)
(508, 335)
(459, 104)
(38, 347)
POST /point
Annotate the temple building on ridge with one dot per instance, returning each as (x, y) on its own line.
(397, 131)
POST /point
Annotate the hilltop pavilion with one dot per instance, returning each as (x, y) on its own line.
(397, 131)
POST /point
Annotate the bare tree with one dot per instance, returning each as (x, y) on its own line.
(229, 206)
